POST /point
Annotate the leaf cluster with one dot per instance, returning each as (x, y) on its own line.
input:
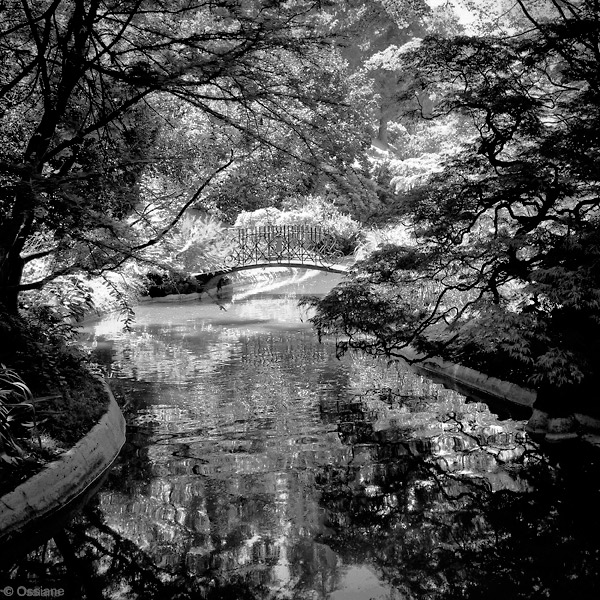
(507, 226)
(97, 101)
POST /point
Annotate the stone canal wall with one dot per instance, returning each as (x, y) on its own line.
(540, 424)
(472, 380)
(36, 506)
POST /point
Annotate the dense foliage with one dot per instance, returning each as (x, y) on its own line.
(503, 269)
(117, 117)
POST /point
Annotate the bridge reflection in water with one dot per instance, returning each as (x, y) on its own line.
(285, 245)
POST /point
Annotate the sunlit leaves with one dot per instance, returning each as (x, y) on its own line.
(14, 422)
(506, 225)
(195, 244)
(116, 105)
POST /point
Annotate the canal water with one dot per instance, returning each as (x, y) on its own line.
(260, 466)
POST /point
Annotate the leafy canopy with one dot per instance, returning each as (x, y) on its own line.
(119, 116)
(504, 273)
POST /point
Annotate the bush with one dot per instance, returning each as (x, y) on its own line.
(395, 235)
(41, 346)
(15, 422)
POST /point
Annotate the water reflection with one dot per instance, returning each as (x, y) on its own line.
(260, 466)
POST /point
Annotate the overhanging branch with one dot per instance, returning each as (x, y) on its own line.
(184, 208)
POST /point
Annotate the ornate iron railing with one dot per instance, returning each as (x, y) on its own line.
(282, 244)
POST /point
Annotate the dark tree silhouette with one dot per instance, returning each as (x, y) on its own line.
(85, 87)
(505, 273)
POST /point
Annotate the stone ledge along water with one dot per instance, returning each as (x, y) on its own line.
(35, 507)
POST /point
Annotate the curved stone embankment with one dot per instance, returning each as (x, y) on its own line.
(37, 506)
(540, 424)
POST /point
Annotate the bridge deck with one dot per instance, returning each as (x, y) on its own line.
(339, 267)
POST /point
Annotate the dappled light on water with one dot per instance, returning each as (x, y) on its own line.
(258, 465)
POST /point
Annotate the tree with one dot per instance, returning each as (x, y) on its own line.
(267, 175)
(505, 273)
(368, 31)
(86, 88)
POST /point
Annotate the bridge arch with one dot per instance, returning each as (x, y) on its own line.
(337, 268)
(296, 246)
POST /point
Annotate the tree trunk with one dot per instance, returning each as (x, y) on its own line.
(18, 225)
(382, 132)
(14, 232)
(11, 270)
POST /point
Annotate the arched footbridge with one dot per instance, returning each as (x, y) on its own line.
(298, 246)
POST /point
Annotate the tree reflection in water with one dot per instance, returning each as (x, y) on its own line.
(437, 529)
(431, 528)
(260, 467)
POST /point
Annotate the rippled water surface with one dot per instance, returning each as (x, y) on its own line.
(258, 465)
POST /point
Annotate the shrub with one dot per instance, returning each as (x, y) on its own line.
(41, 345)
(15, 423)
(396, 235)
